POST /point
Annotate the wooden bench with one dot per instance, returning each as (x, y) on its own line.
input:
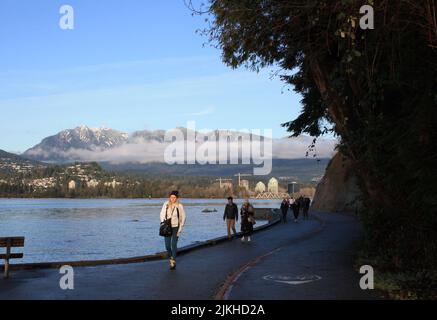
(8, 243)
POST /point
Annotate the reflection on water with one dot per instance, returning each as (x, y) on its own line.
(85, 229)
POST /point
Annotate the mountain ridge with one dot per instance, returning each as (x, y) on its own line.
(108, 145)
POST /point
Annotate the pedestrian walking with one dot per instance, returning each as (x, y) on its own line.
(295, 208)
(285, 205)
(173, 214)
(306, 207)
(231, 216)
(247, 213)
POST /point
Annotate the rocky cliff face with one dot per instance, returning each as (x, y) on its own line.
(338, 190)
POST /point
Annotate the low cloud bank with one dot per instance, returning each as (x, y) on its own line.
(141, 151)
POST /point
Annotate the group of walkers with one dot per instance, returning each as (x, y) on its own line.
(296, 206)
(247, 214)
(173, 219)
(173, 214)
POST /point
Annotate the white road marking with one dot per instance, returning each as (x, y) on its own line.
(296, 280)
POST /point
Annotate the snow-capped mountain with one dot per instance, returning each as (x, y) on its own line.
(148, 136)
(56, 148)
(112, 146)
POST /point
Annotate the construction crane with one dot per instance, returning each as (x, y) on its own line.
(239, 175)
(220, 180)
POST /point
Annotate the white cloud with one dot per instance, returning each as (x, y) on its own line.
(142, 151)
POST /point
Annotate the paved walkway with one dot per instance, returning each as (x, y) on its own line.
(283, 252)
(317, 268)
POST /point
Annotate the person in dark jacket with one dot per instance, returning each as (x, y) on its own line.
(295, 208)
(285, 205)
(230, 216)
(247, 220)
(300, 202)
(306, 207)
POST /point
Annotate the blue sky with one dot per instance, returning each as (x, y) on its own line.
(128, 65)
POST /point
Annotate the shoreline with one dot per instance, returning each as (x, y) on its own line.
(270, 213)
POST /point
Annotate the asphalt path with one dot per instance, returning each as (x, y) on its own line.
(310, 259)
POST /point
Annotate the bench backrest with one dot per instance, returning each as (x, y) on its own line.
(12, 242)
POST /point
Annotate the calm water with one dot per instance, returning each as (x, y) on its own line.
(70, 229)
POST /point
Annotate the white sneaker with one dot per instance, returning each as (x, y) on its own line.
(248, 239)
(172, 264)
(242, 239)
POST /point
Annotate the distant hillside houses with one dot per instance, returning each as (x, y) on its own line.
(72, 185)
(113, 184)
(15, 166)
(93, 183)
(44, 183)
(85, 172)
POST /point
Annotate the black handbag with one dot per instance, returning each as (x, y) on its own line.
(165, 229)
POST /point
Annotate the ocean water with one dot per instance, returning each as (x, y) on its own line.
(92, 229)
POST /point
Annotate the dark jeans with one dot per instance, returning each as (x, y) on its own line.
(284, 216)
(171, 243)
(296, 214)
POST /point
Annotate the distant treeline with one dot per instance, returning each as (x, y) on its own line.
(111, 184)
(128, 188)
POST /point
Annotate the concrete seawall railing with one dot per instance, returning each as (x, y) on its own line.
(271, 215)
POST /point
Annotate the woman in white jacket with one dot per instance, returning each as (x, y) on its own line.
(173, 210)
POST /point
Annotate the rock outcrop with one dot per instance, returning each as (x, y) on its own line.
(338, 190)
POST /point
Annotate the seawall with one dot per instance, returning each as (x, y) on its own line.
(271, 215)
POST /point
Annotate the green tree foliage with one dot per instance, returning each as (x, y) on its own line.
(129, 186)
(378, 90)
